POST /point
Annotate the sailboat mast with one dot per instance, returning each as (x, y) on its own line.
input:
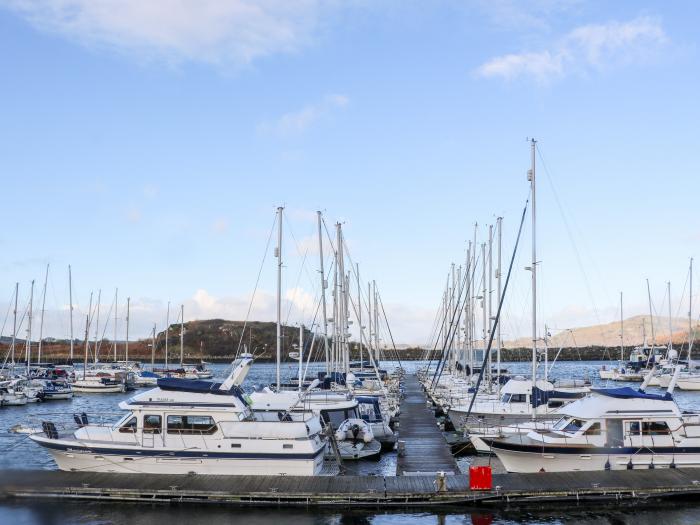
(126, 343)
(651, 318)
(97, 320)
(70, 309)
(359, 312)
(691, 336)
(490, 303)
(622, 333)
(182, 334)
(116, 307)
(153, 348)
(484, 313)
(14, 325)
(87, 342)
(279, 295)
(324, 285)
(533, 269)
(370, 324)
(167, 332)
(43, 310)
(376, 321)
(499, 225)
(87, 335)
(29, 330)
(670, 322)
(301, 353)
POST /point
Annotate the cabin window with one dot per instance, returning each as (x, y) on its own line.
(593, 430)
(632, 428)
(191, 425)
(287, 445)
(334, 417)
(518, 398)
(574, 425)
(561, 423)
(129, 427)
(655, 428)
(505, 398)
(367, 412)
(152, 424)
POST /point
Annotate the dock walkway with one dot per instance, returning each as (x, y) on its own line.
(367, 491)
(425, 450)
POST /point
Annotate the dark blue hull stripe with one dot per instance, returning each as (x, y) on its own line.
(599, 451)
(178, 453)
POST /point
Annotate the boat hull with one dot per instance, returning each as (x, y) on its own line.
(524, 461)
(176, 462)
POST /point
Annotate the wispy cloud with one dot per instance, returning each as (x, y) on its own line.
(296, 122)
(212, 31)
(595, 46)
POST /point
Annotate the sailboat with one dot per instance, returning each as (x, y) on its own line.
(520, 399)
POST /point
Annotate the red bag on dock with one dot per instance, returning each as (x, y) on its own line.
(480, 478)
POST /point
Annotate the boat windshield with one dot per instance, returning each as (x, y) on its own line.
(573, 425)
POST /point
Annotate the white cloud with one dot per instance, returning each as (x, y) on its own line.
(211, 31)
(595, 46)
(296, 122)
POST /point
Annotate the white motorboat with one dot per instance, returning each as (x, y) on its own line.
(185, 426)
(517, 404)
(57, 389)
(612, 429)
(11, 397)
(97, 384)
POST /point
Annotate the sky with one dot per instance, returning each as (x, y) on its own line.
(148, 145)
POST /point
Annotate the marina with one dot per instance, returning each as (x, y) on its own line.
(349, 263)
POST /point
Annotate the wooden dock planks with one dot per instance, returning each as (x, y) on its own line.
(513, 489)
(426, 450)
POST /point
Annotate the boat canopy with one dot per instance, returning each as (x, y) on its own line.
(627, 392)
(201, 387)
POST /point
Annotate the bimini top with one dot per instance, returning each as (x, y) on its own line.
(627, 392)
(198, 386)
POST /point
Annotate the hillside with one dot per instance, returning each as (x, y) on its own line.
(211, 340)
(608, 335)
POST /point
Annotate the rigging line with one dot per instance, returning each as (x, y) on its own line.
(296, 290)
(104, 330)
(579, 260)
(298, 248)
(467, 291)
(498, 315)
(386, 321)
(7, 315)
(454, 325)
(255, 289)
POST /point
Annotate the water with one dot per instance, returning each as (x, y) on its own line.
(20, 453)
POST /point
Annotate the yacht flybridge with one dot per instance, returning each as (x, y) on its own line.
(611, 429)
(186, 426)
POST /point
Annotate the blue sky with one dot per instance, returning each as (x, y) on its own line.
(148, 145)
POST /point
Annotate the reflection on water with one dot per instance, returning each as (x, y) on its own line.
(19, 452)
(89, 513)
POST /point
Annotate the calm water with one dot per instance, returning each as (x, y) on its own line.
(20, 453)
